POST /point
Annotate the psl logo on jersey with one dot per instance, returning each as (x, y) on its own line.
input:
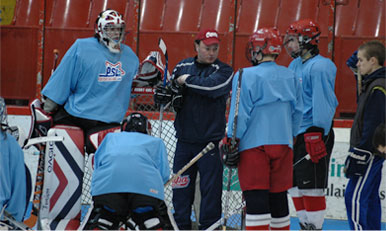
(113, 72)
(181, 182)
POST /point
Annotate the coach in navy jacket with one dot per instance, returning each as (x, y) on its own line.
(200, 119)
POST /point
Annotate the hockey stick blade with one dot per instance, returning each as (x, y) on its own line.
(162, 46)
(208, 147)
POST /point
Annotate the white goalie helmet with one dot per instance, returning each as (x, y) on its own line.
(110, 28)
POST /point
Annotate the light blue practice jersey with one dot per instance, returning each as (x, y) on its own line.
(92, 82)
(130, 162)
(318, 82)
(270, 107)
(12, 177)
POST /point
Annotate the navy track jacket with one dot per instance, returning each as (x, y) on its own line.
(202, 117)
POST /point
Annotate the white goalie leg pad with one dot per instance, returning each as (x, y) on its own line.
(63, 177)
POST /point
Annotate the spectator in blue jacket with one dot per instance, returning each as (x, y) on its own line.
(200, 119)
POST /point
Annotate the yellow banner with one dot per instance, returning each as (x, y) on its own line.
(7, 10)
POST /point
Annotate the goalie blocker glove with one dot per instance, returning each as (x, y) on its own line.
(357, 162)
(313, 139)
(229, 152)
(170, 93)
(162, 95)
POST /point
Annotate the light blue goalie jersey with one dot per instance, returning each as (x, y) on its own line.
(12, 177)
(270, 108)
(318, 82)
(130, 162)
(92, 82)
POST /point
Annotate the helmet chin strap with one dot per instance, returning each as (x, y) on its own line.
(111, 45)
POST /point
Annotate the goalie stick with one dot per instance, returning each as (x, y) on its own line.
(162, 46)
(208, 147)
(43, 139)
(33, 218)
(233, 143)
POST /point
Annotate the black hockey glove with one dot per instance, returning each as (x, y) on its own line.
(162, 95)
(229, 153)
(357, 162)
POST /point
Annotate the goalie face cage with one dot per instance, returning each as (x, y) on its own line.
(142, 102)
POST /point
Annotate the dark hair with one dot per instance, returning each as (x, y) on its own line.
(375, 49)
(379, 136)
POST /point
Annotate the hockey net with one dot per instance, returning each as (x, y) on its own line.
(142, 101)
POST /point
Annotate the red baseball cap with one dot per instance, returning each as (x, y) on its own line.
(208, 37)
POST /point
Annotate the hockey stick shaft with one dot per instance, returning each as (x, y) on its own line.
(233, 142)
(31, 221)
(208, 147)
(163, 48)
(306, 157)
(238, 93)
(231, 213)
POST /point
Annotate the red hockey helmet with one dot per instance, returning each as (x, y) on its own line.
(305, 32)
(265, 41)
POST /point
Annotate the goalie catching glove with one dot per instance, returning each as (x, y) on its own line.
(315, 145)
(229, 152)
(357, 162)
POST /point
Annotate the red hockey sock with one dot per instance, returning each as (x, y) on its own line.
(298, 203)
(257, 221)
(258, 227)
(280, 223)
(314, 203)
(281, 228)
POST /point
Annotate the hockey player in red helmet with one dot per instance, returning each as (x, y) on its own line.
(315, 138)
(269, 115)
(131, 154)
(302, 36)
